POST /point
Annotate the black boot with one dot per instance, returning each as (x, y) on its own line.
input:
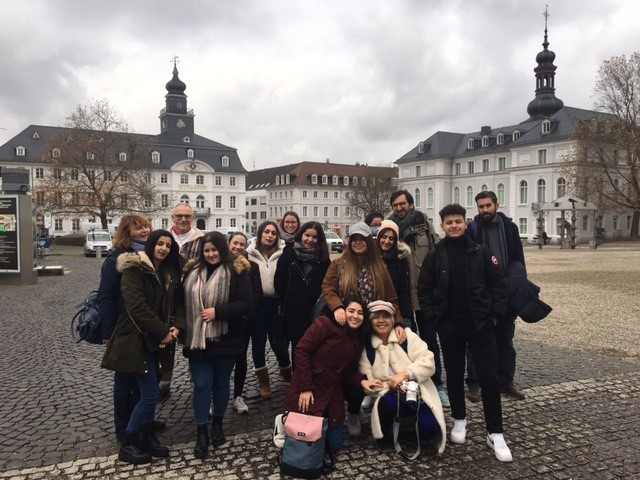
(150, 443)
(202, 443)
(217, 435)
(131, 452)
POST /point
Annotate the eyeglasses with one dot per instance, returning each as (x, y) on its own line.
(185, 216)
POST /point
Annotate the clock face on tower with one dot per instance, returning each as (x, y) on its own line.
(180, 124)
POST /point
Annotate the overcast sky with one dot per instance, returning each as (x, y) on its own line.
(293, 80)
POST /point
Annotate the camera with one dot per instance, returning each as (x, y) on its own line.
(413, 391)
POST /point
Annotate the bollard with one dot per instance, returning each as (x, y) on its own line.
(98, 252)
(593, 244)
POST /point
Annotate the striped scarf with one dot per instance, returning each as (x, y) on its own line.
(201, 293)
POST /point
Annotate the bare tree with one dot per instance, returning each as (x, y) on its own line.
(98, 168)
(606, 162)
(373, 191)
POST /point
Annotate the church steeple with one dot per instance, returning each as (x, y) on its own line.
(175, 118)
(545, 103)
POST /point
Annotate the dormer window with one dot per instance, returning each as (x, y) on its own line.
(470, 144)
(485, 141)
(345, 181)
(277, 179)
(55, 153)
(122, 157)
(155, 157)
(363, 181)
(90, 156)
(186, 140)
(325, 179)
(20, 151)
(516, 135)
(189, 152)
(355, 181)
(500, 139)
(225, 161)
(334, 180)
(35, 135)
(287, 179)
(314, 179)
(546, 126)
(281, 179)
(420, 148)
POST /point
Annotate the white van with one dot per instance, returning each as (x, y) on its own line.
(97, 239)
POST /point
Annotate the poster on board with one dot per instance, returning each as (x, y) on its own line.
(9, 234)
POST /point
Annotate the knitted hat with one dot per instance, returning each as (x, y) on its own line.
(389, 225)
(360, 228)
(381, 306)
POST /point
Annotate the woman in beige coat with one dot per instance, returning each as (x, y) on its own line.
(387, 364)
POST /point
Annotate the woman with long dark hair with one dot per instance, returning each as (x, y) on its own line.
(217, 293)
(298, 279)
(143, 340)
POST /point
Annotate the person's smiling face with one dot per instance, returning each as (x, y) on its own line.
(354, 314)
(454, 226)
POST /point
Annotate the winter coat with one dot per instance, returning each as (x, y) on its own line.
(154, 306)
(486, 285)
(513, 244)
(399, 271)
(267, 267)
(326, 356)
(110, 300)
(333, 295)
(523, 295)
(298, 291)
(392, 357)
(234, 312)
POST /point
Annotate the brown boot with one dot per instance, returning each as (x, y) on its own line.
(285, 374)
(263, 382)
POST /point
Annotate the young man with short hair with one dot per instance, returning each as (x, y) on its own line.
(463, 292)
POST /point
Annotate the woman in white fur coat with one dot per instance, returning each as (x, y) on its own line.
(387, 364)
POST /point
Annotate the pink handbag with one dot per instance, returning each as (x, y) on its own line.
(306, 428)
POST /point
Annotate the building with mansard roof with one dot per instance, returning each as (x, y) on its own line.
(522, 163)
(185, 166)
(314, 190)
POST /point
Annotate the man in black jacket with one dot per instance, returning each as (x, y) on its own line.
(463, 292)
(501, 235)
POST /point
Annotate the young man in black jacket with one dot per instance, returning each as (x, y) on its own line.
(463, 292)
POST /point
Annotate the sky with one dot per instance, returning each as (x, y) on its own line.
(285, 81)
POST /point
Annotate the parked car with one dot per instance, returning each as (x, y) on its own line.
(334, 242)
(97, 239)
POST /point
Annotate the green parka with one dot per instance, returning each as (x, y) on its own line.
(154, 307)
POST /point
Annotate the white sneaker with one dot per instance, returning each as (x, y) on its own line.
(211, 411)
(240, 406)
(496, 442)
(459, 431)
(278, 431)
(353, 425)
(367, 402)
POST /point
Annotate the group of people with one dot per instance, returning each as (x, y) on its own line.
(359, 327)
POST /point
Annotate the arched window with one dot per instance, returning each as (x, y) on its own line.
(184, 199)
(542, 190)
(456, 195)
(355, 181)
(484, 188)
(430, 197)
(500, 194)
(314, 178)
(524, 192)
(561, 187)
(416, 197)
(200, 201)
(469, 196)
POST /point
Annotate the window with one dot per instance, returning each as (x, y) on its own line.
(124, 201)
(232, 201)
(334, 180)
(615, 222)
(39, 172)
(147, 177)
(218, 222)
(122, 157)
(336, 195)
(363, 181)
(254, 201)
(232, 181)
(354, 180)
(200, 201)
(542, 157)
(470, 196)
(420, 148)
(542, 190)
(336, 211)
(524, 192)
(345, 180)
(485, 141)
(470, 167)
(515, 135)
(325, 179)
(218, 181)
(57, 198)
(546, 126)
(456, 195)
(347, 211)
(314, 179)
(418, 170)
(232, 222)
(74, 174)
(124, 176)
(108, 175)
(470, 144)
(184, 199)
(430, 197)
(416, 197)
(315, 194)
(186, 140)
(155, 157)
(164, 223)
(40, 199)
(75, 198)
(55, 153)
(57, 224)
(347, 195)
(325, 194)
(184, 179)
(189, 152)
(522, 225)
(485, 165)
(164, 200)
(500, 139)
(561, 187)
(287, 179)
(225, 161)
(325, 212)
(57, 174)
(277, 179)
(502, 163)
(305, 212)
(304, 194)
(484, 187)
(456, 168)
(90, 156)
(75, 224)
(20, 152)
(218, 201)
(585, 222)
(164, 178)
(500, 194)
(315, 212)
(199, 179)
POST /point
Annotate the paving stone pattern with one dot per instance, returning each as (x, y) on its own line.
(581, 418)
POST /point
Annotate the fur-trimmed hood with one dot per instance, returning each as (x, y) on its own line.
(404, 250)
(241, 266)
(133, 259)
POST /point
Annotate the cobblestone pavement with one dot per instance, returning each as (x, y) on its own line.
(581, 418)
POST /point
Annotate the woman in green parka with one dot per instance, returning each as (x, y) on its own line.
(152, 296)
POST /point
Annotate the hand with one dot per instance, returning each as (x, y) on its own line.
(340, 316)
(401, 334)
(305, 400)
(208, 315)
(175, 332)
(395, 382)
(372, 386)
(167, 340)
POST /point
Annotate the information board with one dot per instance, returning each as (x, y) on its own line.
(9, 235)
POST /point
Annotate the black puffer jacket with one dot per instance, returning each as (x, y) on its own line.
(399, 270)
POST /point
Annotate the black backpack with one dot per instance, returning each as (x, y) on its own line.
(85, 324)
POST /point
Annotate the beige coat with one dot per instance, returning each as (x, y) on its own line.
(419, 360)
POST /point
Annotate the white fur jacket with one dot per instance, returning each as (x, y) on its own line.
(267, 266)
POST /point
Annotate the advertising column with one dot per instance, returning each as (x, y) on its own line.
(16, 254)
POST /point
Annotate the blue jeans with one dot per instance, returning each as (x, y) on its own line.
(334, 438)
(145, 410)
(388, 409)
(504, 333)
(268, 323)
(125, 397)
(210, 376)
